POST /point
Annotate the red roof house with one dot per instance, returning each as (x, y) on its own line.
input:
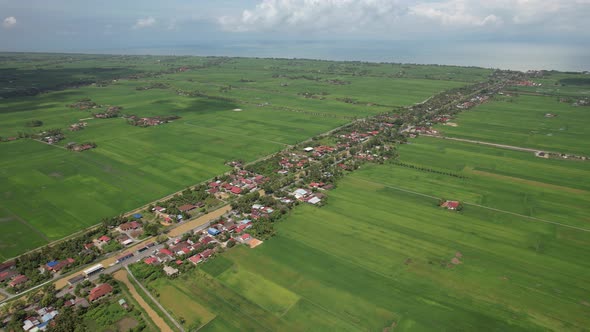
(150, 260)
(451, 205)
(236, 190)
(99, 291)
(207, 253)
(186, 208)
(104, 238)
(166, 252)
(196, 259)
(18, 280)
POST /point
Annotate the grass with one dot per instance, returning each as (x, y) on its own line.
(256, 289)
(59, 192)
(378, 256)
(179, 304)
(521, 121)
(13, 231)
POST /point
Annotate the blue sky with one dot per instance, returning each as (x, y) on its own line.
(73, 25)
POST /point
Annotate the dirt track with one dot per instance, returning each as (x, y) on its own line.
(199, 221)
(121, 276)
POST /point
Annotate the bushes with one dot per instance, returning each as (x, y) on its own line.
(34, 123)
(429, 170)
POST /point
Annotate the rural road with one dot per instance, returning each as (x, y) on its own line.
(121, 276)
(503, 146)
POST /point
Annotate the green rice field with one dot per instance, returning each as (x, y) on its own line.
(382, 255)
(521, 121)
(58, 192)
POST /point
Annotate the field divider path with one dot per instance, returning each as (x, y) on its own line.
(180, 328)
(26, 223)
(482, 206)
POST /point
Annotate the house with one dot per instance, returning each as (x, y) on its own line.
(159, 209)
(76, 279)
(213, 231)
(314, 200)
(316, 185)
(166, 252)
(206, 240)
(300, 193)
(451, 205)
(137, 216)
(104, 239)
(7, 275)
(124, 257)
(18, 280)
(196, 259)
(186, 207)
(236, 190)
(308, 149)
(123, 303)
(170, 271)
(129, 226)
(207, 253)
(124, 239)
(88, 246)
(151, 261)
(10, 265)
(56, 266)
(245, 238)
(99, 292)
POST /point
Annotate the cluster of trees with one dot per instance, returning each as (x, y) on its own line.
(34, 123)
(430, 170)
(155, 85)
(84, 104)
(195, 195)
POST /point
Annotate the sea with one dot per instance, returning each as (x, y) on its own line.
(503, 55)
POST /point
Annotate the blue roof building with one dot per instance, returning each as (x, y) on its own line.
(52, 263)
(137, 216)
(213, 231)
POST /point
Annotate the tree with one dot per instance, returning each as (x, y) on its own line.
(68, 320)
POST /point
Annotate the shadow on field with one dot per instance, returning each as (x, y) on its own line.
(31, 82)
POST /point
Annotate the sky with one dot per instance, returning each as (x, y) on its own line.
(75, 25)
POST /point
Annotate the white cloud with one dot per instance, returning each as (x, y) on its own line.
(336, 15)
(9, 22)
(405, 15)
(144, 23)
(454, 13)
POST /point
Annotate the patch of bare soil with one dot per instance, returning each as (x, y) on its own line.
(586, 303)
(456, 261)
(408, 261)
(127, 324)
(254, 243)
(56, 175)
(458, 254)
